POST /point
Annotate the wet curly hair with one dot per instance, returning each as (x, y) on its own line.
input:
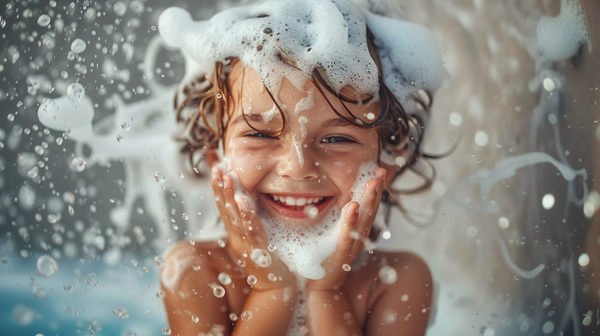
(204, 107)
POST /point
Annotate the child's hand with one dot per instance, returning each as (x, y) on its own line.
(247, 239)
(356, 226)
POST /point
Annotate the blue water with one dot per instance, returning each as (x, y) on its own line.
(90, 302)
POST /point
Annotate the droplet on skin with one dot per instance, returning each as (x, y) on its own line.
(224, 279)
(404, 298)
(346, 267)
(233, 317)
(272, 277)
(252, 280)
(46, 266)
(218, 291)
(195, 318)
(185, 216)
(246, 315)
(311, 211)
(481, 138)
(455, 119)
(371, 116)
(261, 258)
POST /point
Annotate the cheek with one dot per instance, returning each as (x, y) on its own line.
(250, 166)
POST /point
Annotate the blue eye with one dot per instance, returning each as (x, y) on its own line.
(259, 135)
(336, 139)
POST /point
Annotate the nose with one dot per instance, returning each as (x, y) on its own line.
(298, 163)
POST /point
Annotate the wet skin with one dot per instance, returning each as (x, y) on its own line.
(271, 168)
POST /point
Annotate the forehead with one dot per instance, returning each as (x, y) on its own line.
(249, 93)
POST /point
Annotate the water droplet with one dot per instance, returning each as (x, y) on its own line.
(145, 269)
(120, 138)
(584, 259)
(503, 223)
(79, 164)
(258, 167)
(386, 235)
(272, 277)
(125, 126)
(33, 172)
(400, 161)
(261, 258)
(233, 317)
(221, 243)
(195, 318)
(404, 298)
(159, 261)
(301, 321)
(78, 46)
(160, 178)
(181, 175)
(4, 259)
(370, 115)
(546, 303)
(59, 141)
(219, 95)
(388, 275)
(548, 201)
(224, 278)
(75, 92)
(43, 20)
(267, 30)
(481, 138)
(120, 8)
(499, 145)
(549, 84)
(46, 266)
(39, 292)
(252, 280)
(39, 150)
(272, 248)
(246, 315)
(166, 331)
(218, 291)
(185, 216)
(346, 267)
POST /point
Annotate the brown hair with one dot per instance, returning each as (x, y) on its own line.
(205, 111)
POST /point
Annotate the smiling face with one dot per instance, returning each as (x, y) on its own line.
(312, 164)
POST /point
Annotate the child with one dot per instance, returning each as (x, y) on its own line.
(292, 123)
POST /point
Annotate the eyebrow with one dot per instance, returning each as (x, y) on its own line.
(249, 117)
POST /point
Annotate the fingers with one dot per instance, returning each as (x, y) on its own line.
(226, 209)
(349, 221)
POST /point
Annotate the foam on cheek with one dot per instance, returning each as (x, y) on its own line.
(304, 249)
(242, 198)
(365, 173)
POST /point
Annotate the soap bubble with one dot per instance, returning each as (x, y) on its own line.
(261, 258)
(195, 318)
(43, 20)
(33, 172)
(272, 277)
(246, 315)
(233, 317)
(46, 266)
(78, 46)
(346, 267)
(548, 201)
(584, 259)
(23, 315)
(224, 278)
(159, 261)
(79, 164)
(75, 92)
(471, 231)
(166, 331)
(272, 248)
(548, 327)
(252, 280)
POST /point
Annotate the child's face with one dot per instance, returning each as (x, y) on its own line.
(313, 163)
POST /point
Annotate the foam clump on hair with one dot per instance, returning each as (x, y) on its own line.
(311, 34)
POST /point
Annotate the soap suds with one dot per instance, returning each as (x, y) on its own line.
(305, 103)
(270, 114)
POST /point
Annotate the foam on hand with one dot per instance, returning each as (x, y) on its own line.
(312, 34)
(365, 173)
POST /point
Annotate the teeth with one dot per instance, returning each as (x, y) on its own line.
(288, 200)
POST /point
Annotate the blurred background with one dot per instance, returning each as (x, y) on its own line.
(93, 188)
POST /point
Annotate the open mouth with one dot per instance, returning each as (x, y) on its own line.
(297, 207)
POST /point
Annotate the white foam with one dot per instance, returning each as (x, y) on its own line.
(270, 114)
(365, 173)
(305, 103)
(560, 37)
(312, 34)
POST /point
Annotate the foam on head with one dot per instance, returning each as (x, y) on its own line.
(311, 34)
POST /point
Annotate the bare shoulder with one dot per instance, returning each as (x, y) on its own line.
(391, 289)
